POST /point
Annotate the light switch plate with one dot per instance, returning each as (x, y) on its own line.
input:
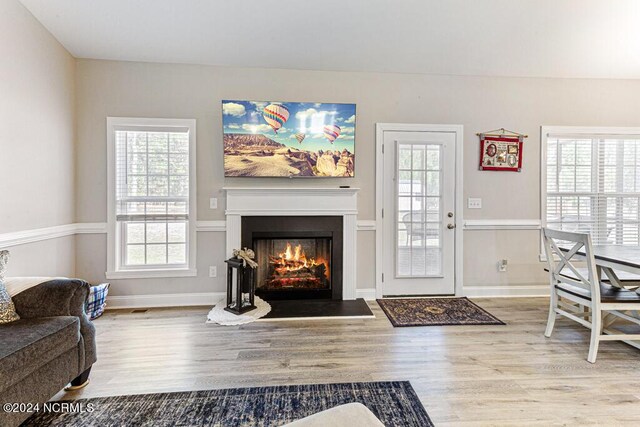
(213, 271)
(213, 203)
(474, 203)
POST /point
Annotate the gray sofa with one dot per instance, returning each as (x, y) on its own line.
(51, 345)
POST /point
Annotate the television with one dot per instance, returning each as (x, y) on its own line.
(288, 139)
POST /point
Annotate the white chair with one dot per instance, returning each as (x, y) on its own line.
(585, 300)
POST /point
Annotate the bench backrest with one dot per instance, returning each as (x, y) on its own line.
(561, 249)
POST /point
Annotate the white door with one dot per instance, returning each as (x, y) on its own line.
(418, 216)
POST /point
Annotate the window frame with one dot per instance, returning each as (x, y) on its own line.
(585, 132)
(115, 269)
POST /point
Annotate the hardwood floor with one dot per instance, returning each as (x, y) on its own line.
(464, 375)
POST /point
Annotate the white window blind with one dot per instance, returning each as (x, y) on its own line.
(593, 186)
(152, 196)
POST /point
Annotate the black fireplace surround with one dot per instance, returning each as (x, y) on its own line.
(255, 229)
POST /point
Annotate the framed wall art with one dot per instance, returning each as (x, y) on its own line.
(501, 150)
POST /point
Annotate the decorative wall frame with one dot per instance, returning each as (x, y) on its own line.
(501, 150)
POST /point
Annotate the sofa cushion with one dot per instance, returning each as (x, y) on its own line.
(27, 344)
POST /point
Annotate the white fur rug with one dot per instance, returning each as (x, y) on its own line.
(222, 317)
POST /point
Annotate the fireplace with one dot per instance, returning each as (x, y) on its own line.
(291, 264)
(299, 257)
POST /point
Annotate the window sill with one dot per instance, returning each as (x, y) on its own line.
(152, 274)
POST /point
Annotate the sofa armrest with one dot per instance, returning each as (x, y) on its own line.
(60, 297)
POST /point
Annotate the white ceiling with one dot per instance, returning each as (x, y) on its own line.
(542, 38)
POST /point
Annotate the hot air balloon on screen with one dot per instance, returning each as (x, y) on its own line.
(300, 137)
(275, 115)
(331, 132)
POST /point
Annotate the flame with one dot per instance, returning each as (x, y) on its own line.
(294, 259)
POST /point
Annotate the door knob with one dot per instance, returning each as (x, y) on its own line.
(451, 226)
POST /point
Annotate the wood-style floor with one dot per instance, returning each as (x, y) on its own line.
(464, 375)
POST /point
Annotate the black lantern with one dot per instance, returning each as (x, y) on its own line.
(243, 301)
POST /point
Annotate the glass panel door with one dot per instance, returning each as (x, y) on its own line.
(418, 210)
(418, 217)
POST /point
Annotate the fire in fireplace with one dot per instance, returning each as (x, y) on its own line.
(293, 264)
(293, 269)
(299, 257)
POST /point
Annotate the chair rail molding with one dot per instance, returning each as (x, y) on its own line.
(211, 226)
(16, 238)
(502, 224)
(366, 225)
(23, 237)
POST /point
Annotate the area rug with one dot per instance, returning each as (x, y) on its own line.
(222, 317)
(395, 403)
(435, 312)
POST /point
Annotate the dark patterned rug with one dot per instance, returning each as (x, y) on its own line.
(394, 403)
(435, 312)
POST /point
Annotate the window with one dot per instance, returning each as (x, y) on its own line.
(592, 183)
(151, 197)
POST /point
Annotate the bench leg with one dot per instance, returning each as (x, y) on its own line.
(596, 331)
(80, 381)
(553, 303)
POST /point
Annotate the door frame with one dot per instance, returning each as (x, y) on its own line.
(458, 130)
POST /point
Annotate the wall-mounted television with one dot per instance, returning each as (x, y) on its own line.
(288, 139)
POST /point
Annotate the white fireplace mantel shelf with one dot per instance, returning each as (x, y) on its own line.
(298, 201)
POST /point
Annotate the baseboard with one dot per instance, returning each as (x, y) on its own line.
(368, 294)
(290, 319)
(187, 300)
(164, 300)
(506, 291)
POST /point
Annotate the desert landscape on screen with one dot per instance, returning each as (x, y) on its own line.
(274, 139)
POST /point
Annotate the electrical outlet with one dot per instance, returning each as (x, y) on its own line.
(213, 203)
(213, 271)
(474, 203)
(502, 265)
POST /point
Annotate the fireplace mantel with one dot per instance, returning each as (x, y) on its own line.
(297, 201)
(291, 201)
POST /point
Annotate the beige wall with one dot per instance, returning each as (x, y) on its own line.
(37, 118)
(107, 88)
(49, 100)
(37, 113)
(91, 258)
(47, 258)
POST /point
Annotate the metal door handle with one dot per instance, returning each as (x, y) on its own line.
(451, 226)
